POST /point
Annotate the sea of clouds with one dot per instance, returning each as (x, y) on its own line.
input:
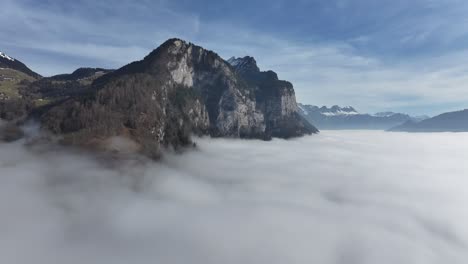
(344, 197)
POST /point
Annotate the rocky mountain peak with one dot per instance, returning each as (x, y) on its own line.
(338, 110)
(176, 42)
(177, 90)
(175, 45)
(176, 48)
(274, 96)
(179, 60)
(245, 64)
(346, 109)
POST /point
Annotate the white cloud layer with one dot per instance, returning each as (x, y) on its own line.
(343, 197)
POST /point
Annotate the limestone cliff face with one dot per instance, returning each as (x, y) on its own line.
(177, 90)
(275, 98)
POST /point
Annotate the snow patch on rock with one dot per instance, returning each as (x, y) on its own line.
(3, 55)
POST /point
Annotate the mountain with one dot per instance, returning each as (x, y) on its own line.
(412, 119)
(337, 117)
(175, 91)
(447, 122)
(63, 86)
(276, 99)
(21, 93)
(14, 79)
(244, 65)
(14, 64)
(325, 111)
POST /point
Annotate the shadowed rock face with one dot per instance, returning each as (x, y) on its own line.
(177, 90)
(275, 98)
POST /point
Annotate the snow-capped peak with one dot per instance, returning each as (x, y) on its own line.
(326, 111)
(338, 111)
(3, 55)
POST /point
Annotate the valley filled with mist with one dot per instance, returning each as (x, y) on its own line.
(337, 197)
(233, 132)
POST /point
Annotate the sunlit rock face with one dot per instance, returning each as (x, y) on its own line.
(175, 91)
(275, 98)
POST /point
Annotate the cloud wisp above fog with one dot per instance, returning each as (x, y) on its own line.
(338, 197)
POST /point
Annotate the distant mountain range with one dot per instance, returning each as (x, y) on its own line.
(337, 117)
(177, 90)
(447, 122)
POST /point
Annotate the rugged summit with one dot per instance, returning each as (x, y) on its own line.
(246, 65)
(176, 90)
(275, 98)
(332, 111)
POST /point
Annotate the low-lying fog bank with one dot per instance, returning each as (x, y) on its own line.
(343, 197)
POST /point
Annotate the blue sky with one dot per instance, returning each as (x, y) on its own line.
(377, 55)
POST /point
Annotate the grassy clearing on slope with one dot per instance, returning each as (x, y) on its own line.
(10, 82)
